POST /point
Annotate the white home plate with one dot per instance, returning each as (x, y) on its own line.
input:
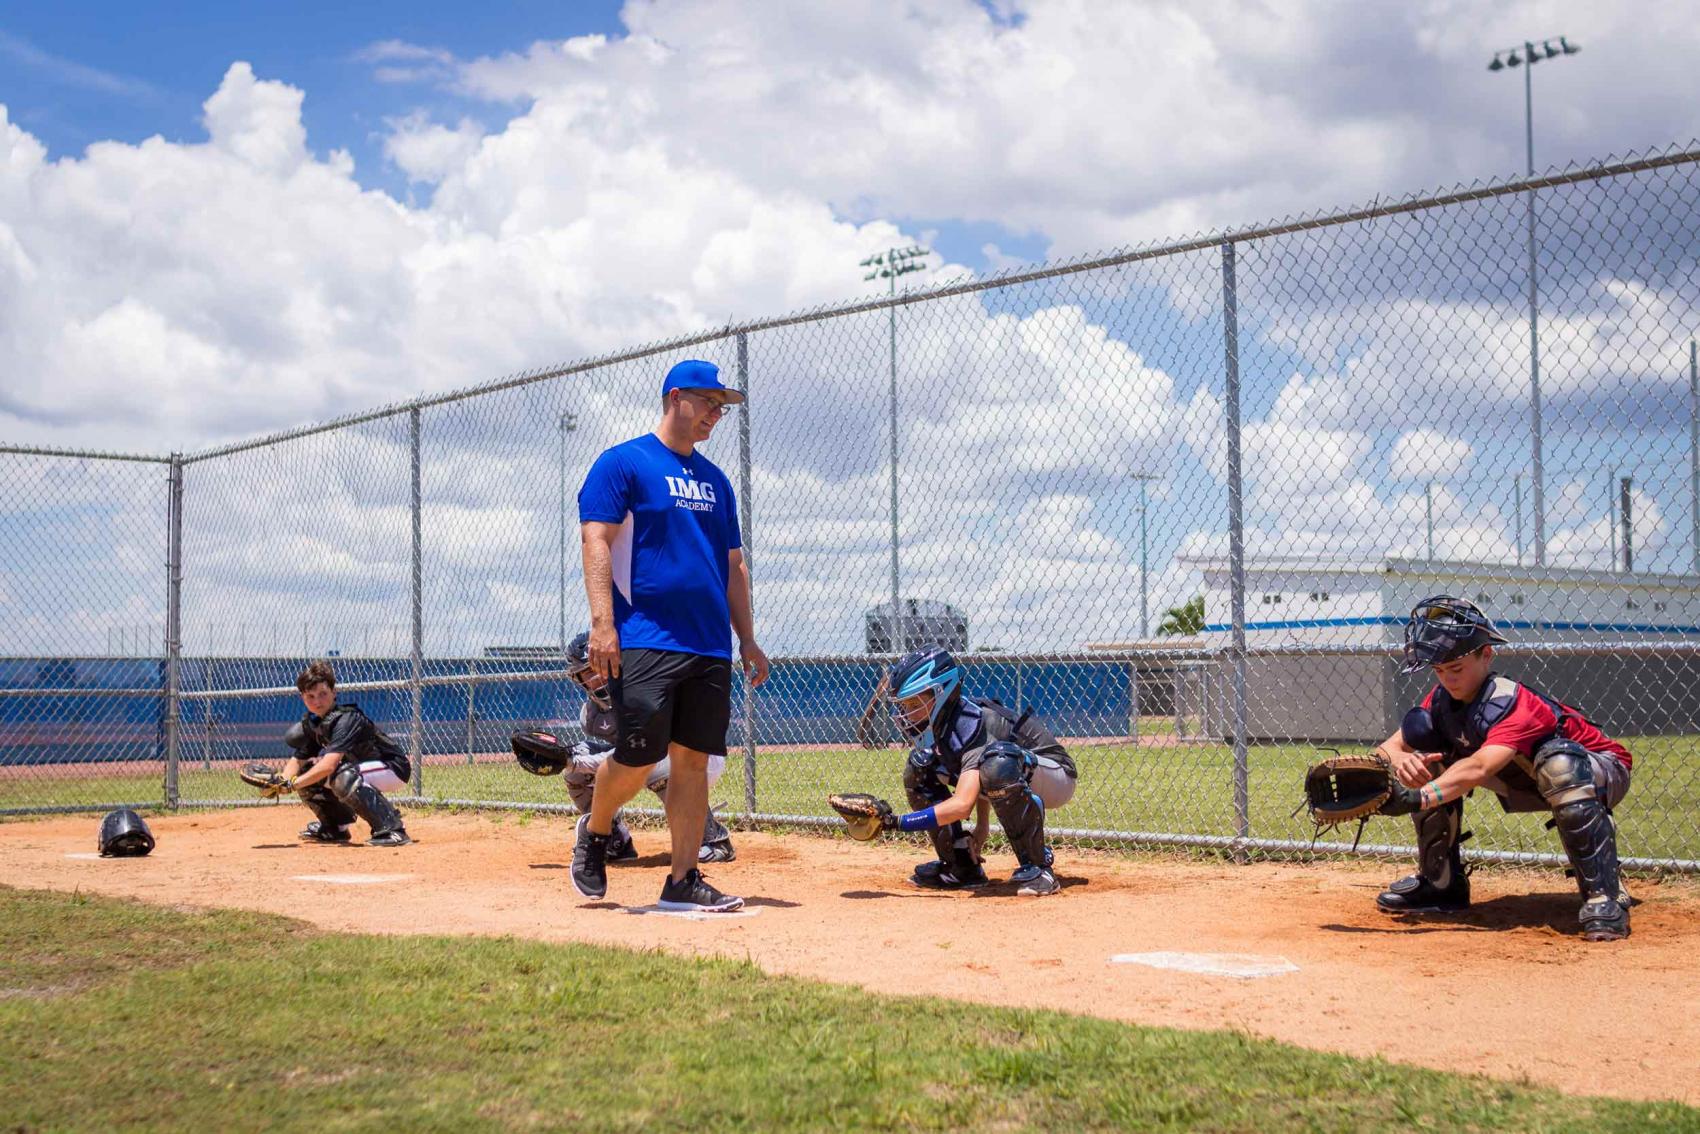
(351, 879)
(693, 915)
(1242, 965)
(84, 856)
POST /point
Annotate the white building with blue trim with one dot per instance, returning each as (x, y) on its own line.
(1633, 684)
(1313, 600)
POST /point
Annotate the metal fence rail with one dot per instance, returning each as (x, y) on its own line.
(1305, 426)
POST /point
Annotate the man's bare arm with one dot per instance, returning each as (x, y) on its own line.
(743, 618)
(596, 541)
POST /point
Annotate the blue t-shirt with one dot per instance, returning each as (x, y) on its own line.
(678, 520)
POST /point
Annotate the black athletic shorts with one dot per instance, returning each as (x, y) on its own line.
(664, 697)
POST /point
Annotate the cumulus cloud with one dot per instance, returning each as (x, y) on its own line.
(728, 159)
(1424, 454)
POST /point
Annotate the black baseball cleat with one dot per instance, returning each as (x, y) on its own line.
(692, 892)
(590, 862)
(1604, 918)
(395, 838)
(936, 876)
(1414, 894)
(1035, 881)
(620, 847)
(317, 832)
(720, 850)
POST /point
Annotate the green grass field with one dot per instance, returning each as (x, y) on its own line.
(116, 1015)
(1153, 788)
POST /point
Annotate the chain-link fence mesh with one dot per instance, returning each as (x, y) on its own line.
(82, 643)
(1176, 501)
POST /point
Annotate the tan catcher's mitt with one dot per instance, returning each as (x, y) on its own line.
(265, 778)
(866, 815)
(1344, 788)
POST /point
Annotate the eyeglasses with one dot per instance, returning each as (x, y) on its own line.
(715, 408)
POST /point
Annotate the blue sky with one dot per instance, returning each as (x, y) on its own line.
(76, 74)
(82, 73)
(522, 196)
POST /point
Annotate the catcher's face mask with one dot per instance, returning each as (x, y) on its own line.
(914, 714)
(1444, 628)
(923, 685)
(594, 685)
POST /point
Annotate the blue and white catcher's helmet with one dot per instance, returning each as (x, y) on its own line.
(924, 687)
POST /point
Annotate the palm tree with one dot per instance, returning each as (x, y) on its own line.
(1183, 621)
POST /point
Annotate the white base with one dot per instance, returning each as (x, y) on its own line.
(1244, 966)
(693, 915)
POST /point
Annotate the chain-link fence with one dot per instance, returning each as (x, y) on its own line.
(1176, 500)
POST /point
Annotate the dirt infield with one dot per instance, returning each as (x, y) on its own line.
(1507, 990)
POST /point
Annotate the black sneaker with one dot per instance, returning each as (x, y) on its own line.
(317, 832)
(718, 851)
(1414, 894)
(620, 847)
(936, 875)
(1604, 919)
(395, 838)
(692, 892)
(590, 862)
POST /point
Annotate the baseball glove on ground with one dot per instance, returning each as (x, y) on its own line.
(864, 814)
(265, 778)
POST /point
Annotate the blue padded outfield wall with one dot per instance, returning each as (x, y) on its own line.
(805, 702)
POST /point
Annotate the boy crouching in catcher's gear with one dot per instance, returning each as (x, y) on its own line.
(1480, 729)
(972, 754)
(579, 763)
(342, 764)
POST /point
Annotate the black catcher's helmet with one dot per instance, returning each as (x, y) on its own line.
(578, 664)
(124, 834)
(1443, 628)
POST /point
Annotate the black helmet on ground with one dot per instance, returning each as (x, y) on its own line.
(124, 834)
(1443, 628)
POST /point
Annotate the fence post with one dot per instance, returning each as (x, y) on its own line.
(416, 725)
(1133, 708)
(173, 628)
(1694, 451)
(471, 709)
(746, 512)
(1236, 542)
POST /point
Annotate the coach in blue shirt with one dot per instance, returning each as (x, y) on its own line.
(664, 569)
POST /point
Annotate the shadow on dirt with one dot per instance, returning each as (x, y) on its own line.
(1554, 910)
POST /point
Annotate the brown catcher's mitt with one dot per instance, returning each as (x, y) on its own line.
(864, 814)
(265, 778)
(1343, 788)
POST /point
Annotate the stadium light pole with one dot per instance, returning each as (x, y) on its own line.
(1526, 57)
(888, 265)
(568, 423)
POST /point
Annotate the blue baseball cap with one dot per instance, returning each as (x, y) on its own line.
(695, 374)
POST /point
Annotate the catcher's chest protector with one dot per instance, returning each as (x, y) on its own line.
(599, 723)
(1465, 727)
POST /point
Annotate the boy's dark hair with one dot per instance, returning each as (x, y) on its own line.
(316, 673)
